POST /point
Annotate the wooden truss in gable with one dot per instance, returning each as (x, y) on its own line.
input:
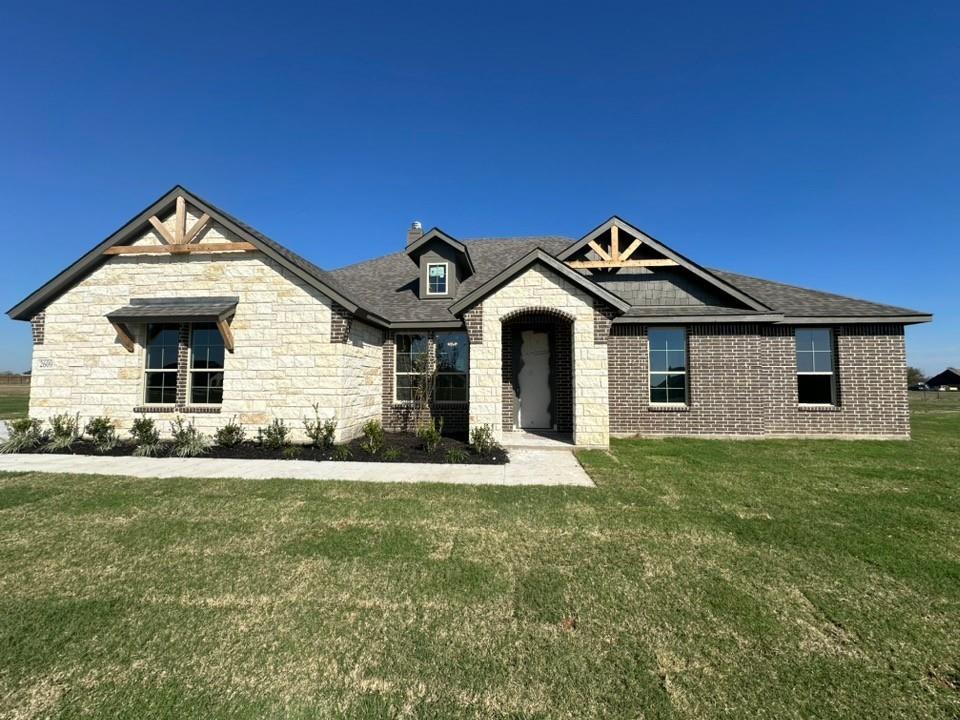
(182, 239)
(612, 257)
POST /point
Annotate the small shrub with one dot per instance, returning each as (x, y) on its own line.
(187, 440)
(391, 455)
(230, 435)
(275, 435)
(64, 432)
(292, 452)
(320, 432)
(25, 434)
(373, 437)
(341, 453)
(102, 432)
(481, 438)
(457, 456)
(431, 435)
(146, 437)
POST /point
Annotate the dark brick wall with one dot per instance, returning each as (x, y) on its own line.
(401, 417)
(742, 381)
(473, 319)
(340, 322)
(37, 326)
(603, 316)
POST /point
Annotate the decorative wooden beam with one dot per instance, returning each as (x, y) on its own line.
(179, 249)
(195, 229)
(226, 333)
(603, 264)
(614, 243)
(123, 335)
(631, 249)
(599, 250)
(180, 224)
(162, 231)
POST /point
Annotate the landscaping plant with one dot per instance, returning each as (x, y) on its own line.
(456, 456)
(25, 434)
(341, 453)
(64, 432)
(373, 437)
(481, 438)
(230, 435)
(292, 452)
(391, 455)
(320, 431)
(146, 437)
(102, 432)
(431, 434)
(274, 436)
(187, 440)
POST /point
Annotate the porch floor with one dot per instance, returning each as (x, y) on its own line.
(538, 440)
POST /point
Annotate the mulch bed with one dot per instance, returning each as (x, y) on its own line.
(408, 449)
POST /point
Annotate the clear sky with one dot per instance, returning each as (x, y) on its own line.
(812, 143)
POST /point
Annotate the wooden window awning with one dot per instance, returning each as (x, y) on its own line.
(217, 310)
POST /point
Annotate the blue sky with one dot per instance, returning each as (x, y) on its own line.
(812, 143)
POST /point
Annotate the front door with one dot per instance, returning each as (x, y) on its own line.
(533, 381)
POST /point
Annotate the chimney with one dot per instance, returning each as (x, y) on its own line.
(414, 233)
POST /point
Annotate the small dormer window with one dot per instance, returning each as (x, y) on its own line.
(437, 279)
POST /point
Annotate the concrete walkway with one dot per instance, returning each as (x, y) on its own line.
(527, 467)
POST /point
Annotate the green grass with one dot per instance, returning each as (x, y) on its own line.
(769, 579)
(13, 401)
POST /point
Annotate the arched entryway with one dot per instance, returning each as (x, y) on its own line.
(537, 371)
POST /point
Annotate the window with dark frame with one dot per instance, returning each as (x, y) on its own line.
(162, 348)
(437, 279)
(668, 365)
(816, 378)
(207, 354)
(453, 367)
(411, 358)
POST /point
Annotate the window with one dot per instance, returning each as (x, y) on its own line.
(162, 346)
(668, 365)
(453, 366)
(436, 279)
(411, 360)
(206, 365)
(816, 381)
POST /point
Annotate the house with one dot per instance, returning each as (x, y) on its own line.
(949, 378)
(186, 309)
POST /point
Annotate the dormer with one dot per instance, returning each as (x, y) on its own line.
(443, 261)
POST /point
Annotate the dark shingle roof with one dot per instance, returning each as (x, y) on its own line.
(388, 285)
(795, 301)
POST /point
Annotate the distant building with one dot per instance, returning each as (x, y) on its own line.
(948, 378)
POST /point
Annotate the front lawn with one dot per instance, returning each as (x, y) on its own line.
(776, 579)
(13, 401)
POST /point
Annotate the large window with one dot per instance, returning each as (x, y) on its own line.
(411, 363)
(816, 380)
(161, 364)
(437, 279)
(668, 365)
(453, 366)
(206, 365)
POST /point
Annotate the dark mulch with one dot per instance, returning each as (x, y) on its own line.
(408, 449)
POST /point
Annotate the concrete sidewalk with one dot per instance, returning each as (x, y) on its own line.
(527, 467)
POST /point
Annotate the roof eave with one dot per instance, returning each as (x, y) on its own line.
(911, 319)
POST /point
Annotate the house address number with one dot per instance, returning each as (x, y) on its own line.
(45, 363)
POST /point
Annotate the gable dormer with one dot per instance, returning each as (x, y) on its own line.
(444, 262)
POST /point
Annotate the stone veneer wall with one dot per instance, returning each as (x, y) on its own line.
(284, 362)
(537, 288)
(742, 382)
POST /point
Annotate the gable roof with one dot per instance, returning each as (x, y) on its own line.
(418, 247)
(311, 274)
(684, 262)
(949, 376)
(537, 257)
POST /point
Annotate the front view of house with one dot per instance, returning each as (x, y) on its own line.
(187, 310)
